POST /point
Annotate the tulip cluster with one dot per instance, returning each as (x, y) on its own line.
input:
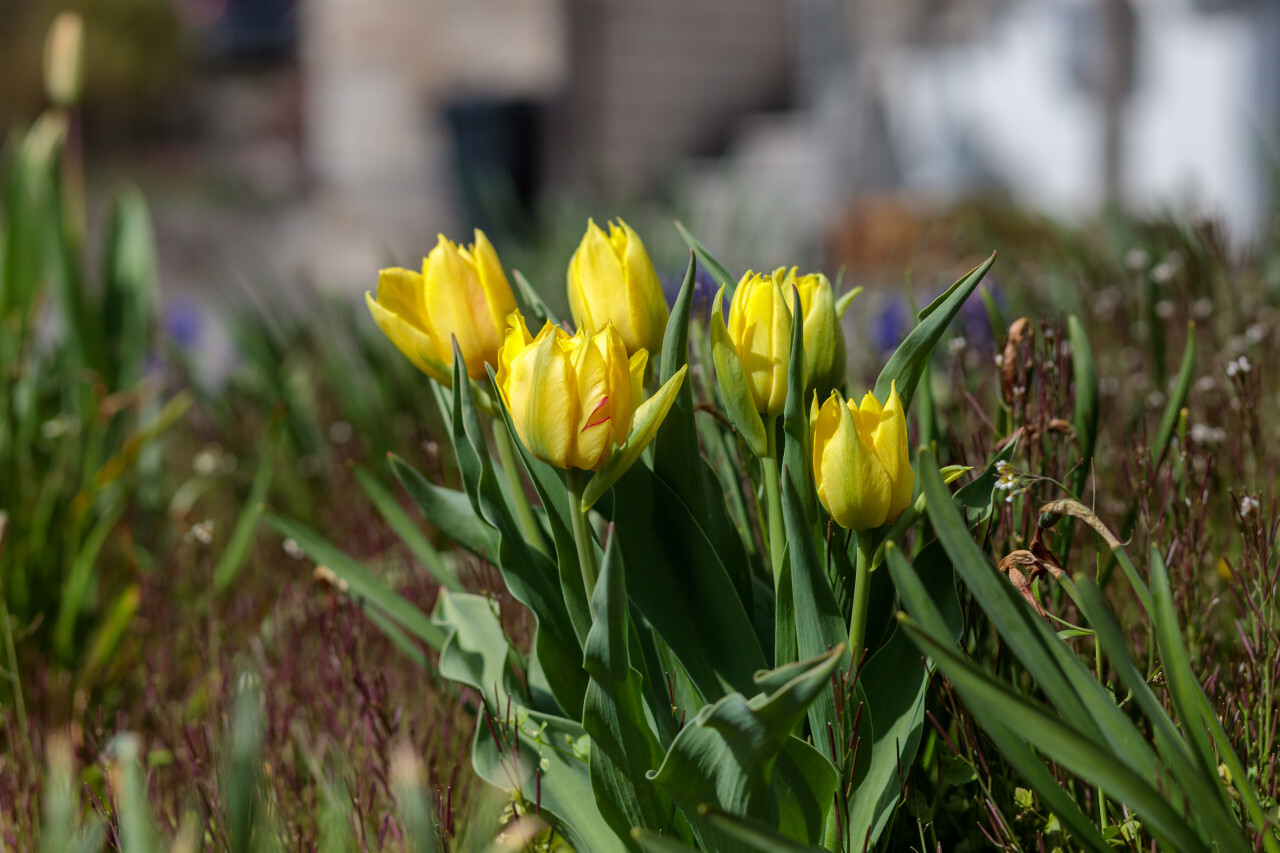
(571, 398)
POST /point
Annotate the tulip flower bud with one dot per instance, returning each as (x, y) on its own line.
(860, 464)
(461, 293)
(760, 327)
(571, 398)
(611, 279)
(824, 353)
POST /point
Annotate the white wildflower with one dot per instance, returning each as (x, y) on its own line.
(956, 345)
(1249, 506)
(340, 432)
(1136, 259)
(201, 532)
(1164, 309)
(293, 549)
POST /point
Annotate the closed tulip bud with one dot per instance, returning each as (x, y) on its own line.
(612, 280)
(760, 328)
(571, 399)
(860, 464)
(461, 293)
(824, 361)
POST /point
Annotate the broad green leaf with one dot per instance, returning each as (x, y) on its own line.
(725, 757)
(360, 584)
(819, 624)
(447, 509)
(712, 264)
(652, 842)
(529, 575)
(242, 768)
(644, 426)
(1177, 399)
(476, 651)
(543, 758)
(990, 699)
(683, 588)
(409, 532)
(909, 359)
(740, 408)
(802, 790)
(676, 457)
(1085, 380)
(623, 746)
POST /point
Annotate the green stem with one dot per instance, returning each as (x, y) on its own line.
(510, 469)
(773, 496)
(582, 535)
(861, 598)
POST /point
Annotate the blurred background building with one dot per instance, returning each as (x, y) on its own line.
(325, 138)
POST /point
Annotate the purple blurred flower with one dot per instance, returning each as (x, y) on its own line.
(183, 320)
(890, 325)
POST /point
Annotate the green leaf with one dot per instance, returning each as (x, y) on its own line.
(137, 833)
(922, 607)
(476, 651)
(1085, 379)
(1202, 784)
(644, 426)
(740, 408)
(990, 699)
(1177, 399)
(529, 574)
(409, 532)
(360, 584)
(845, 300)
(129, 279)
(908, 360)
(623, 746)
(536, 305)
(995, 315)
(683, 589)
(447, 509)
(819, 624)
(676, 457)
(543, 759)
(233, 555)
(1069, 686)
(726, 755)
(755, 835)
(712, 264)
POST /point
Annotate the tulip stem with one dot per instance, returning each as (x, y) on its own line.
(511, 470)
(861, 598)
(773, 496)
(582, 535)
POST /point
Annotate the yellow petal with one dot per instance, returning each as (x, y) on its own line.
(543, 397)
(852, 484)
(891, 447)
(593, 424)
(648, 312)
(499, 299)
(410, 340)
(636, 368)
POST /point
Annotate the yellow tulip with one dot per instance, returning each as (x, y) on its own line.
(824, 354)
(860, 462)
(760, 328)
(572, 399)
(461, 293)
(611, 279)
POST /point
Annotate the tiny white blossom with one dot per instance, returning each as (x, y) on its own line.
(1202, 308)
(1239, 366)
(201, 531)
(1164, 309)
(1255, 334)
(293, 549)
(1162, 273)
(956, 345)
(1249, 506)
